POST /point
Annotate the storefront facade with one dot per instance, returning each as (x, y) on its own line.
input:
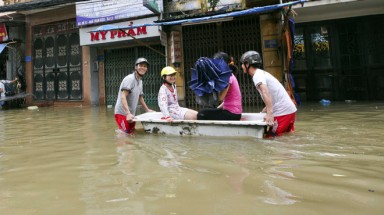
(233, 35)
(338, 51)
(112, 56)
(340, 59)
(57, 69)
(53, 58)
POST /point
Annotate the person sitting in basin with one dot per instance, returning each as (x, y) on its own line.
(231, 107)
(167, 98)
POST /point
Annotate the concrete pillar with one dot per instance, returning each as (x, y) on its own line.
(180, 78)
(28, 61)
(101, 73)
(270, 25)
(86, 67)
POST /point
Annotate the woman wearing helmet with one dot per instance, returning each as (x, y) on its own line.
(167, 98)
(231, 107)
(279, 108)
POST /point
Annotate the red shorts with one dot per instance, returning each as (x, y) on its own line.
(123, 124)
(282, 124)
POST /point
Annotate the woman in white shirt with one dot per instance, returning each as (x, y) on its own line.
(167, 98)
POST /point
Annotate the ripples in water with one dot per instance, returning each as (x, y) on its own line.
(72, 161)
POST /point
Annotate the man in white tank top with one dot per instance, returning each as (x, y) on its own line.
(280, 109)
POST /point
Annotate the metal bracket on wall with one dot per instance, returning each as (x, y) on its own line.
(142, 43)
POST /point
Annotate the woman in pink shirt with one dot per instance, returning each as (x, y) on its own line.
(231, 107)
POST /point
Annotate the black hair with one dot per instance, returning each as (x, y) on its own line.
(221, 55)
(229, 60)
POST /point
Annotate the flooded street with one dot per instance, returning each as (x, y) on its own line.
(71, 161)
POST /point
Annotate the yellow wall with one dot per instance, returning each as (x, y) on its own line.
(270, 25)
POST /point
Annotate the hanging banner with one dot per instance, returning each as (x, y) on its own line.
(152, 6)
(97, 11)
(176, 56)
(3, 33)
(204, 5)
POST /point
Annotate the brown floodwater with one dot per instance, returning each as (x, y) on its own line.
(72, 161)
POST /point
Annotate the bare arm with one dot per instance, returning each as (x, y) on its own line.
(124, 102)
(267, 98)
(220, 106)
(223, 93)
(144, 105)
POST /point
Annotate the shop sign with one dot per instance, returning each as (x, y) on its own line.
(3, 33)
(204, 5)
(102, 35)
(175, 47)
(271, 44)
(152, 6)
(89, 36)
(96, 11)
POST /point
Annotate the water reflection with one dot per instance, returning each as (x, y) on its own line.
(71, 161)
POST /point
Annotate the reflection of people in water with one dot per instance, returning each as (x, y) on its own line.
(237, 178)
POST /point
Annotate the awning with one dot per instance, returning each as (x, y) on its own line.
(2, 47)
(250, 11)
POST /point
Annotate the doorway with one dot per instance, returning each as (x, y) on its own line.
(57, 69)
(121, 62)
(233, 37)
(340, 59)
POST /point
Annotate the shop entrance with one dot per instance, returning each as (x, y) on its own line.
(235, 38)
(121, 62)
(57, 71)
(340, 60)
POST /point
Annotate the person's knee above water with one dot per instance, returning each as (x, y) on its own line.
(231, 107)
(168, 100)
(129, 95)
(279, 108)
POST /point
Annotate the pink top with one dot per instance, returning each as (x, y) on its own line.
(232, 101)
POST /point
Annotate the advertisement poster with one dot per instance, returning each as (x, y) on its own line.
(96, 11)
